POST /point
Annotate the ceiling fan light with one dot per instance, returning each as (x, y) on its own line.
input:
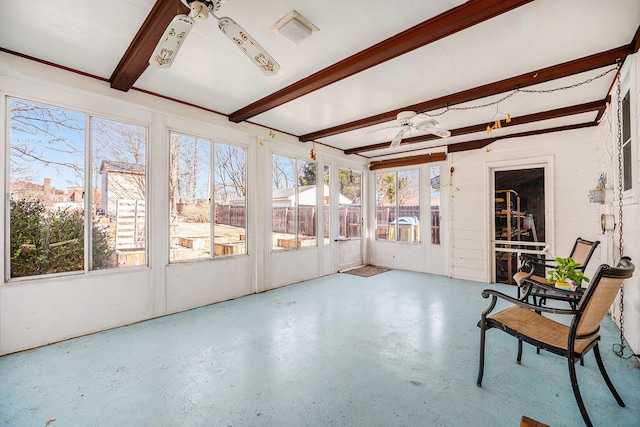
(170, 42)
(199, 11)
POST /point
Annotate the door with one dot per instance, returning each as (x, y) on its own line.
(350, 219)
(519, 201)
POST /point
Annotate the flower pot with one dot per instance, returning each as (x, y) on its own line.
(568, 285)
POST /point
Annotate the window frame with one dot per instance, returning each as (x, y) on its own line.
(396, 172)
(296, 169)
(80, 107)
(628, 85)
(212, 201)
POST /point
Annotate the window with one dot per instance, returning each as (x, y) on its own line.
(434, 173)
(326, 201)
(294, 203)
(627, 168)
(398, 206)
(194, 184)
(350, 205)
(58, 201)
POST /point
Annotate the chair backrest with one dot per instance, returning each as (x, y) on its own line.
(600, 294)
(582, 251)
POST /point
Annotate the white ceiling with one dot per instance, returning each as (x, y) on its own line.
(91, 36)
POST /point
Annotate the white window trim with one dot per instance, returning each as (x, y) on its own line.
(628, 80)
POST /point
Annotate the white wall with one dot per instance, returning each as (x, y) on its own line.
(573, 159)
(36, 312)
(607, 163)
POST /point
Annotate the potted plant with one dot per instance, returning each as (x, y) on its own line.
(566, 274)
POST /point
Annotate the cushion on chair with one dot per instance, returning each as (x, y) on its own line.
(539, 328)
(521, 275)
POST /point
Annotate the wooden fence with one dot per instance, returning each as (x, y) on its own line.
(284, 219)
(130, 218)
(233, 215)
(349, 217)
(386, 216)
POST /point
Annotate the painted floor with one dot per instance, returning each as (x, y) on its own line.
(396, 349)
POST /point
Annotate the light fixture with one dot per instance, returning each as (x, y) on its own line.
(294, 27)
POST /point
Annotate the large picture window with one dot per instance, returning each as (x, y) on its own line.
(398, 206)
(58, 201)
(207, 180)
(294, 203)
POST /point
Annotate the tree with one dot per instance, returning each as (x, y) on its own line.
(283, 172)
(385, 189)
(44, 136)
(306, 173)
(350, 186)
(124, 144)
(408, 188)
(230, 171)
(45, 243)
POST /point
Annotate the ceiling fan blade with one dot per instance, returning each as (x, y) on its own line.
(386, 127)
(170, 42)
(398, 138)
(441, 132)
(256, 53)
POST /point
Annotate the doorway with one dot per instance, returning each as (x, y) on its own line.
(350, 219)
(520, 217)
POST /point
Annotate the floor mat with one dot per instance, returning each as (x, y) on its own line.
(366, 271)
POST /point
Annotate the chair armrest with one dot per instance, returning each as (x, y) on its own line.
(496, 294)
(531, 259)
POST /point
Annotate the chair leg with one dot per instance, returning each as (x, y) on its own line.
(519, 358)
(481, 365)
(596, 352)
(576, 391)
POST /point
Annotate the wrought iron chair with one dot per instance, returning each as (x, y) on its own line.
(525, 322)
(529, 283)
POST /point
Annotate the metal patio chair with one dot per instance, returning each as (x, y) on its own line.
(525, 322)
(528, 282)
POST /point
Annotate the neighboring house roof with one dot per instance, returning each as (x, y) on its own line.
(30, 186)
(122, 167)
(306, 193)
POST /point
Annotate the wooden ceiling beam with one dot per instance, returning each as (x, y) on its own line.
(566, 69)
(481, 143)
(598, 106)
(136, 58)
(452, 21)
(407, 161)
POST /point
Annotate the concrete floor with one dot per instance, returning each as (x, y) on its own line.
(396, 349)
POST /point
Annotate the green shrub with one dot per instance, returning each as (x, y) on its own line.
(51, 242)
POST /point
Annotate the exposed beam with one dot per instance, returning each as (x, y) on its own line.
(520, 120)
(136, 58)
(481, 143)
(534, 77)
(464, 16)
(635, 44)
(407, 161)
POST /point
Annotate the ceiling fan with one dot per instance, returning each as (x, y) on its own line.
(418, 121)
(170, 42)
